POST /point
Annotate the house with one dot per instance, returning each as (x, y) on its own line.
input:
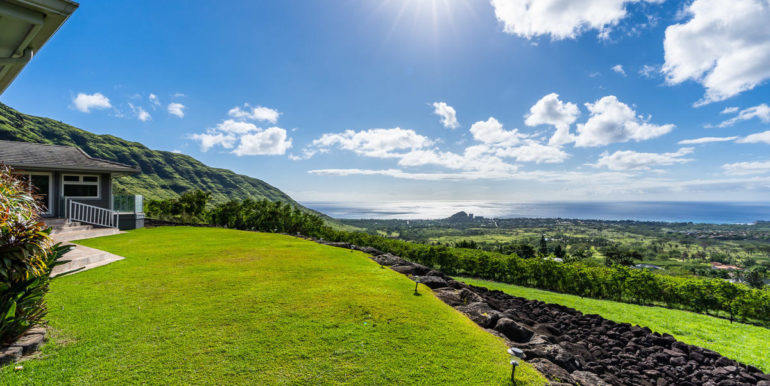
(718, 265)
(74, 185)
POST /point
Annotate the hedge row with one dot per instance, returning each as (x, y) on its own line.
(702, 295)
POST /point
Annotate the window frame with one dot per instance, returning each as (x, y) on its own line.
(50, 186)
(81, 182)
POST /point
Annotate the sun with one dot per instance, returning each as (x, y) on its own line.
(425, 17)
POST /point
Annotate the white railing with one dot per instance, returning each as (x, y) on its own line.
(89, 214)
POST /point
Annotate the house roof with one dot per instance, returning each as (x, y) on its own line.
(37, 156)
(25, 25)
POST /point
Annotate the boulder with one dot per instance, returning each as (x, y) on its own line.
(433, 281)
(551, 371)
(449, 296)
(481, 313)
(585, 378)
(29, 343)
(411, 269)
(371, 251)
(388, 259)
(513, 331)
(555, 354)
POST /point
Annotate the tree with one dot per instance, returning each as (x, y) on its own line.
(559, 252)
(543, 249)
(620, 256)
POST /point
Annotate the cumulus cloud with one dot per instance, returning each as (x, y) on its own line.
(612, 121)
(447, 113)
(212, 138)
(619, 69)
(258, 113)
(533, 152)
(558, 18)
(631, 160)
(723, 45)
(380, 143)
(491, 132)
(549, 110)
(86, 102)
(250, 139)
(697, 141)
(271, 141)
(745, 168)
(140, 113)
(763, 137)
(761, 112)
(176, 109)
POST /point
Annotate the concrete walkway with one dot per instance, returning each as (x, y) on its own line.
(80, 258)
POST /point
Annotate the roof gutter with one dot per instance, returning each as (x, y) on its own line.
(24, 59)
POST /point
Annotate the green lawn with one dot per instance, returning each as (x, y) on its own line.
(742, 342)
(216, 306)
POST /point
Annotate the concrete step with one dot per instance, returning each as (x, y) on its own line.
(84, 258)
(71, 228)
(83, 234)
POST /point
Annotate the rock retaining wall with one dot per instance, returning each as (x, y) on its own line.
(569, 347)
(26, 345)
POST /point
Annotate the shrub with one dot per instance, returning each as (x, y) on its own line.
(27, 257)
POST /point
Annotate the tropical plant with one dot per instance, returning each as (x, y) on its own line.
(27, 257)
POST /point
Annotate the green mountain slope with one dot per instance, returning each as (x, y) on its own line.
(164, 174)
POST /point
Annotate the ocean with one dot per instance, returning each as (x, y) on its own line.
(696, 212)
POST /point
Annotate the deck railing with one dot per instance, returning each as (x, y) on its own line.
(90, 214)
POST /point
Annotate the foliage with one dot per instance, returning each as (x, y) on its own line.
(617, 282)
(742, 342)
(217, 306)
(27, 258)
(188, 208)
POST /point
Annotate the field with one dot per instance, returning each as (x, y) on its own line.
(216, 306)
(678, 248)
(742, 342)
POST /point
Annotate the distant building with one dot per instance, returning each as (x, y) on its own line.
(718, 265)
(647, 266)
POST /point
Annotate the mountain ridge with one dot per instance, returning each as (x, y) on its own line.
(164, 174)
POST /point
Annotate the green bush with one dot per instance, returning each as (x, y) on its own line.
(27, 257)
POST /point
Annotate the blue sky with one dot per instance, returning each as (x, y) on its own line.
(374, 101)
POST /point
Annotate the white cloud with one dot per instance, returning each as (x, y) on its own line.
(697, 141)
(271, 141)
(86, 102)
(761, 112)
(236, 127)
(142, 114)
(211, 139)
(619, 69)
(763, 137)
(724, 45)
(745, 168)
(177, 109)
(176, 151)
(379, 143)
(561, 19)
(154, 99)
(447, 113)
(631, 160)
(648, 71)
(491, 132)
(534, 152)
(549, 110)
(612, 121)
(729, 110)
(258, 113)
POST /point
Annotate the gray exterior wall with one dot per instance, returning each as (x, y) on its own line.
(105, 192)
(130, 221)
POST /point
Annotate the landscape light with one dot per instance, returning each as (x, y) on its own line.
(516, 352)
(513, 371)
(416, 283)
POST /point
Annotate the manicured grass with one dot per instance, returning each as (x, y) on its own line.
(216, 306)
(742, 342)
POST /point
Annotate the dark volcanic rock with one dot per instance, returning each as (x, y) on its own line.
(585, 378)
(433, 281)
(481, 313)
(410, 269)
(388, 259)
(513, 331)
(551, 370)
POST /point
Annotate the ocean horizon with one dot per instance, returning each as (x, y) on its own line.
(664, 211)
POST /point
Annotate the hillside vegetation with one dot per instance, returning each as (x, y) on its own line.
(164, 174)
(742, 342)
(218, 306)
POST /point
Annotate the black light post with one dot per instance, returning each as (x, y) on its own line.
(515, 352)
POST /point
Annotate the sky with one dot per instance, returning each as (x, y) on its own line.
(420, 100)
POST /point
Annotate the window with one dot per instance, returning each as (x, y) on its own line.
(75, 186)
(39, 184)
